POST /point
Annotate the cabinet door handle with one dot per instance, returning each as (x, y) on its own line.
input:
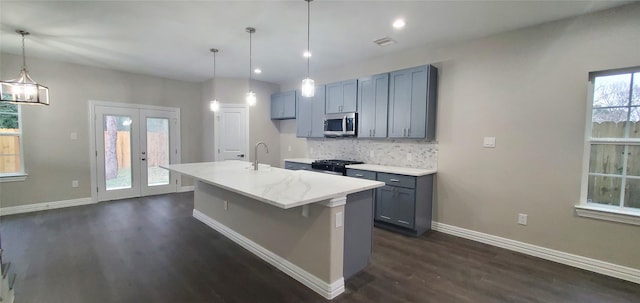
(394, 180)
(408, 131)
(385, 217)
(404, 222)
(404, 132)
(374, 132)
(369, 133)
(359, 175)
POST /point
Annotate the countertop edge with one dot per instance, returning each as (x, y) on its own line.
(275, 203)
(407, 171)
(299, 160)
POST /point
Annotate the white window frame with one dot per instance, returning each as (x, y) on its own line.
(21, 175)
(596, 210)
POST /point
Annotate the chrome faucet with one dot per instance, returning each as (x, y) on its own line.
(255, 162)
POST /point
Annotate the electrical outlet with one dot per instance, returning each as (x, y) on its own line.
(522, 219)
(489, 142)
(74, 183)
(226, 205)
(338, 219)
(409, 157)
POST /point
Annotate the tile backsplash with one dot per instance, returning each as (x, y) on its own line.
(401, 152)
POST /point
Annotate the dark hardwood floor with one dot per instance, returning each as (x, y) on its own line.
(151, 250)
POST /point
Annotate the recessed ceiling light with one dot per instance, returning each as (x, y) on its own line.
(257, 71)
(306, 54)
(399, 24)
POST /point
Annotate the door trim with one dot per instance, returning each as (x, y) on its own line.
(92, 137)
(216, 127)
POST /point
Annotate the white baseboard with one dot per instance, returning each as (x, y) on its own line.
(329, 291)
(11, 210)
(186, 188)
(601, 267)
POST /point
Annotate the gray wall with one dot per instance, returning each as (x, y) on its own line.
(528, 88)
(52, 160)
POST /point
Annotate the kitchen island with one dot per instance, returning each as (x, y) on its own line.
(314, 227)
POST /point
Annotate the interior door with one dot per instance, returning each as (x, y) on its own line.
(131, 144)
(233, 142)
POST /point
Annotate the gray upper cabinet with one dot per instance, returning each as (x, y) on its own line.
(412, 102)
(283, 105)
(341, 97)
(373, 99)
(310, 114)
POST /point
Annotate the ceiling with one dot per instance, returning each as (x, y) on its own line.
(172, 39)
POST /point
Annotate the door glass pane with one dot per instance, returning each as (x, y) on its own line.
(604, 190)
(117, 152)
(157, 151)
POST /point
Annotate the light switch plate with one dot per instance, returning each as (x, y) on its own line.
(489, 142)
(73, 136)
(522, 219)
(371, 154)
(74, 183)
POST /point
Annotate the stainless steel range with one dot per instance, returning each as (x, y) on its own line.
(333, 166)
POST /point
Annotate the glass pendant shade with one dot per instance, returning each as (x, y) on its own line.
(23, 90)
(308, 87)
(251, 98)
(214, 105)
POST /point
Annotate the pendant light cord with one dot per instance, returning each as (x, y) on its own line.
(24, 57)
(308, 33)
(250, 34)
(214, 72)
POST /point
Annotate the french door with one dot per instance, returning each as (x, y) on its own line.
(131, 144)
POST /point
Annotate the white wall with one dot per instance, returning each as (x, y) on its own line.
(528, 89)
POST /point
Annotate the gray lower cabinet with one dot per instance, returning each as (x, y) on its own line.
(283, 105)
(310, 114)
(403, 204)
(296, 165)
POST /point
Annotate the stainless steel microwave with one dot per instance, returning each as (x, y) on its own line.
(340, 125)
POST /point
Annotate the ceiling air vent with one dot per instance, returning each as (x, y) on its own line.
(385, 41)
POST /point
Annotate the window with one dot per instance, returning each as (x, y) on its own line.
(612, 151)
(11, 153)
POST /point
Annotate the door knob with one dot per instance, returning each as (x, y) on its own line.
(241, 155)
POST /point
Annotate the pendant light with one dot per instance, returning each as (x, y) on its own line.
(308, 86)
(214, 105)
(251, 96)
(23, 90)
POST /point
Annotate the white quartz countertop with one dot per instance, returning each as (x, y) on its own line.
(409, 171)
(300, 160)
(276, 186)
